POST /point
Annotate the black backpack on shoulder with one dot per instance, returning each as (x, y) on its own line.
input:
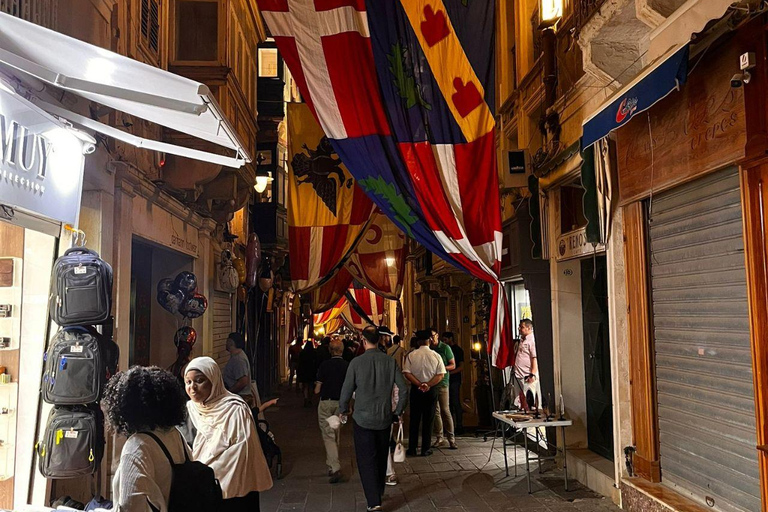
(72, 443)
(194, 487)
(81, 288)
(78, 363)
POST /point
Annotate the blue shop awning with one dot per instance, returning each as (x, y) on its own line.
(659, 79)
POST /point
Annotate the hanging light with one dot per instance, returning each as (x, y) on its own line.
(261, 183)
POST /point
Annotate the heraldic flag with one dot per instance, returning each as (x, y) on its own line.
(404, 91)
(327, 211)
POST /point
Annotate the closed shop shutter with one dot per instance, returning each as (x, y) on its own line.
(222, 325)
(703, 356)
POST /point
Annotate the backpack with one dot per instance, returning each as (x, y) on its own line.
(73, 442)
(77, 365)
(194, 487)
(81, 288)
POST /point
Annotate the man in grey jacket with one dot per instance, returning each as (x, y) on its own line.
(371, 377)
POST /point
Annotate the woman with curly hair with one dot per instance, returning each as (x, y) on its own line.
(138, 401)
(226, 437)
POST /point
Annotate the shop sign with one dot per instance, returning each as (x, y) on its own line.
(574, 244)
(41, 162)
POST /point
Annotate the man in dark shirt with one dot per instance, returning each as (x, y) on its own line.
(330, 379)
(323, 351)
(454, 389)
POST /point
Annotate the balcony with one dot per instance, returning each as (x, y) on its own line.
(584, 10)
(39, 12)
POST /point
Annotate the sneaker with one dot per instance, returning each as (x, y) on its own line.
(335, 477)
(438, 442)
(391, 480)
(452, 445)
(374, 508)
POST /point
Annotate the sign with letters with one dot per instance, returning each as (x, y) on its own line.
(41, 161)
(574, 245)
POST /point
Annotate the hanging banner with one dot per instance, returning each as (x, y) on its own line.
(378, 262)
(404, 90)
(327, 211)
(324, 297)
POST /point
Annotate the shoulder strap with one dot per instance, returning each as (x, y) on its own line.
(165, 450)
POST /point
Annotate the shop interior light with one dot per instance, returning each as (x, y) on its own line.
(477, 346)
(551, 12)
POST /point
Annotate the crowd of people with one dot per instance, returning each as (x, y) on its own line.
(372, 380)
(384, 377)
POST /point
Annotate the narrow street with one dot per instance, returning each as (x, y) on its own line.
(449, 481)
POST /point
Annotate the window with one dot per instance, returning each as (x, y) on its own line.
(572, 207)
(519, 302)
(197, 31)
(268, 62)
(150, 26)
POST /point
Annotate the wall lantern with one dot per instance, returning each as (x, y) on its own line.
(263, 176)
(551, 12)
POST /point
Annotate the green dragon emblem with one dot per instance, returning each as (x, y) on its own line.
(386, 191)
(404, 81)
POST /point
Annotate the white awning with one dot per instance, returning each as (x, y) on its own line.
(690, 18)
(121, 83)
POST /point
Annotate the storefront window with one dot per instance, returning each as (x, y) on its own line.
(26, 260)
(519, 302)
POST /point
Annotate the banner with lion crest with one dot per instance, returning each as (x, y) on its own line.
(327, 211)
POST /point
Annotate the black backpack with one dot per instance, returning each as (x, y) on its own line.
(194, 487)
(81, 288)
(78, 363)
(73, 442)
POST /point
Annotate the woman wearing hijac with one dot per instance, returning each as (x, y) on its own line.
(226, 437)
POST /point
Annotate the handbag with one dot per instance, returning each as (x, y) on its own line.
(399, 455)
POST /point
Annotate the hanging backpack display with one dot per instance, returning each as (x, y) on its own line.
(81, 288)
(78, 364)
(73, 442)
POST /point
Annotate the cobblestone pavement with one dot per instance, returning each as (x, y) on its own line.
(448, 481)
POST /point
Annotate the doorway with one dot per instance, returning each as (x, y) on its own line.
(597, 355)
(151, 328)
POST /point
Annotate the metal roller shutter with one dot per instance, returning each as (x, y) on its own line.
(703, 355)
(222, 325)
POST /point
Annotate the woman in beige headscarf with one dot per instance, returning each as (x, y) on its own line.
(226, 438)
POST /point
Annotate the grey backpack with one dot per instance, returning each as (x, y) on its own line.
(72, 443)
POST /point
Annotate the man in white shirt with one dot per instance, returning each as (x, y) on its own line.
(424, 369)
(526, 363)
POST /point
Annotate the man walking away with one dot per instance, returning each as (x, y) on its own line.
(349, 353)
(443, 419)
(330, 379)
(454, 387)
(424, 369)
(323, 351)
(372, 376)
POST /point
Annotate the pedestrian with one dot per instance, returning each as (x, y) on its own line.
(413, 344)
(225, 437)
(454, 386)
(372, 377)
(443, 418)
(330, 379)
(237, 372)
(293, 361)
(396, 352)
(349, 352)
(138, 402)
(424, 369)
(323, 352)
(526, 363)
(307, 370)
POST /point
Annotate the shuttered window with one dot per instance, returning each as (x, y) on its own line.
(222, 325)
(703, 356)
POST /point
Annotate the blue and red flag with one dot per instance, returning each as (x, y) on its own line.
(404, 91)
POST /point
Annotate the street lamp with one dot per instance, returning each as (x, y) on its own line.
(551, 12)
(263, 176)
